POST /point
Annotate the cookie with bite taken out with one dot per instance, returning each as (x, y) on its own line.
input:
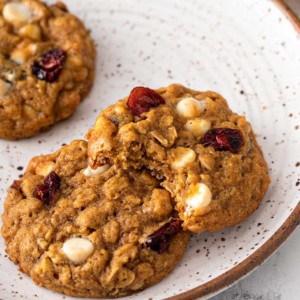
(206, 155)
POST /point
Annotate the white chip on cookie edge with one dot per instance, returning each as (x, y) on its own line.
(10, 76)
(91, 172)
(190, 107)
(199, 199)
(77, 249)
(183, 157)
(16, 12)
(44, 169)
(198, 126)
(20, 56)
(32, 31)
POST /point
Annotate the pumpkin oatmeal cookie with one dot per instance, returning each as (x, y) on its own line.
(206, 156)
(47, 60)
(91, 233)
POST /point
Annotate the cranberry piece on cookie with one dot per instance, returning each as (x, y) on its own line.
(141, 99)
(223, 139)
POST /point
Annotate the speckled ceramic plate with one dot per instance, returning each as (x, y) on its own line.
(247, 50)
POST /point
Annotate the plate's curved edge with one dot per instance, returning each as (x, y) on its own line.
(250, 263)
(289, 13)
(269, 247)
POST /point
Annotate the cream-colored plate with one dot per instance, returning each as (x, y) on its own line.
(248, 51)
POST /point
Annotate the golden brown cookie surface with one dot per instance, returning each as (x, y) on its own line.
(83, 232)
(206, 155)
(47, 62)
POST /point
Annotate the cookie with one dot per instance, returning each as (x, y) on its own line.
(206, 156)
(47, 61)
(91, 233)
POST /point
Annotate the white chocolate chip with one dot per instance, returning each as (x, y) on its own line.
(4, 87)
(77, 249)
(198, 199)
(91, 172)
(198, 126)
(20, 56)
(10, 76)
(182, 157)
(190, 107)
(31, 31)
(45, 168)
(16, 12)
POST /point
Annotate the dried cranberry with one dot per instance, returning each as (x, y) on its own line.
(141, 99)
(223, 139)
(46, 191)
(50, 65)
(160, 239)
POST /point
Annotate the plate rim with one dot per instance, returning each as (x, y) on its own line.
(248, 264)
(271, 245)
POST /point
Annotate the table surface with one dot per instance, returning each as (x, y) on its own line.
(278, 277)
